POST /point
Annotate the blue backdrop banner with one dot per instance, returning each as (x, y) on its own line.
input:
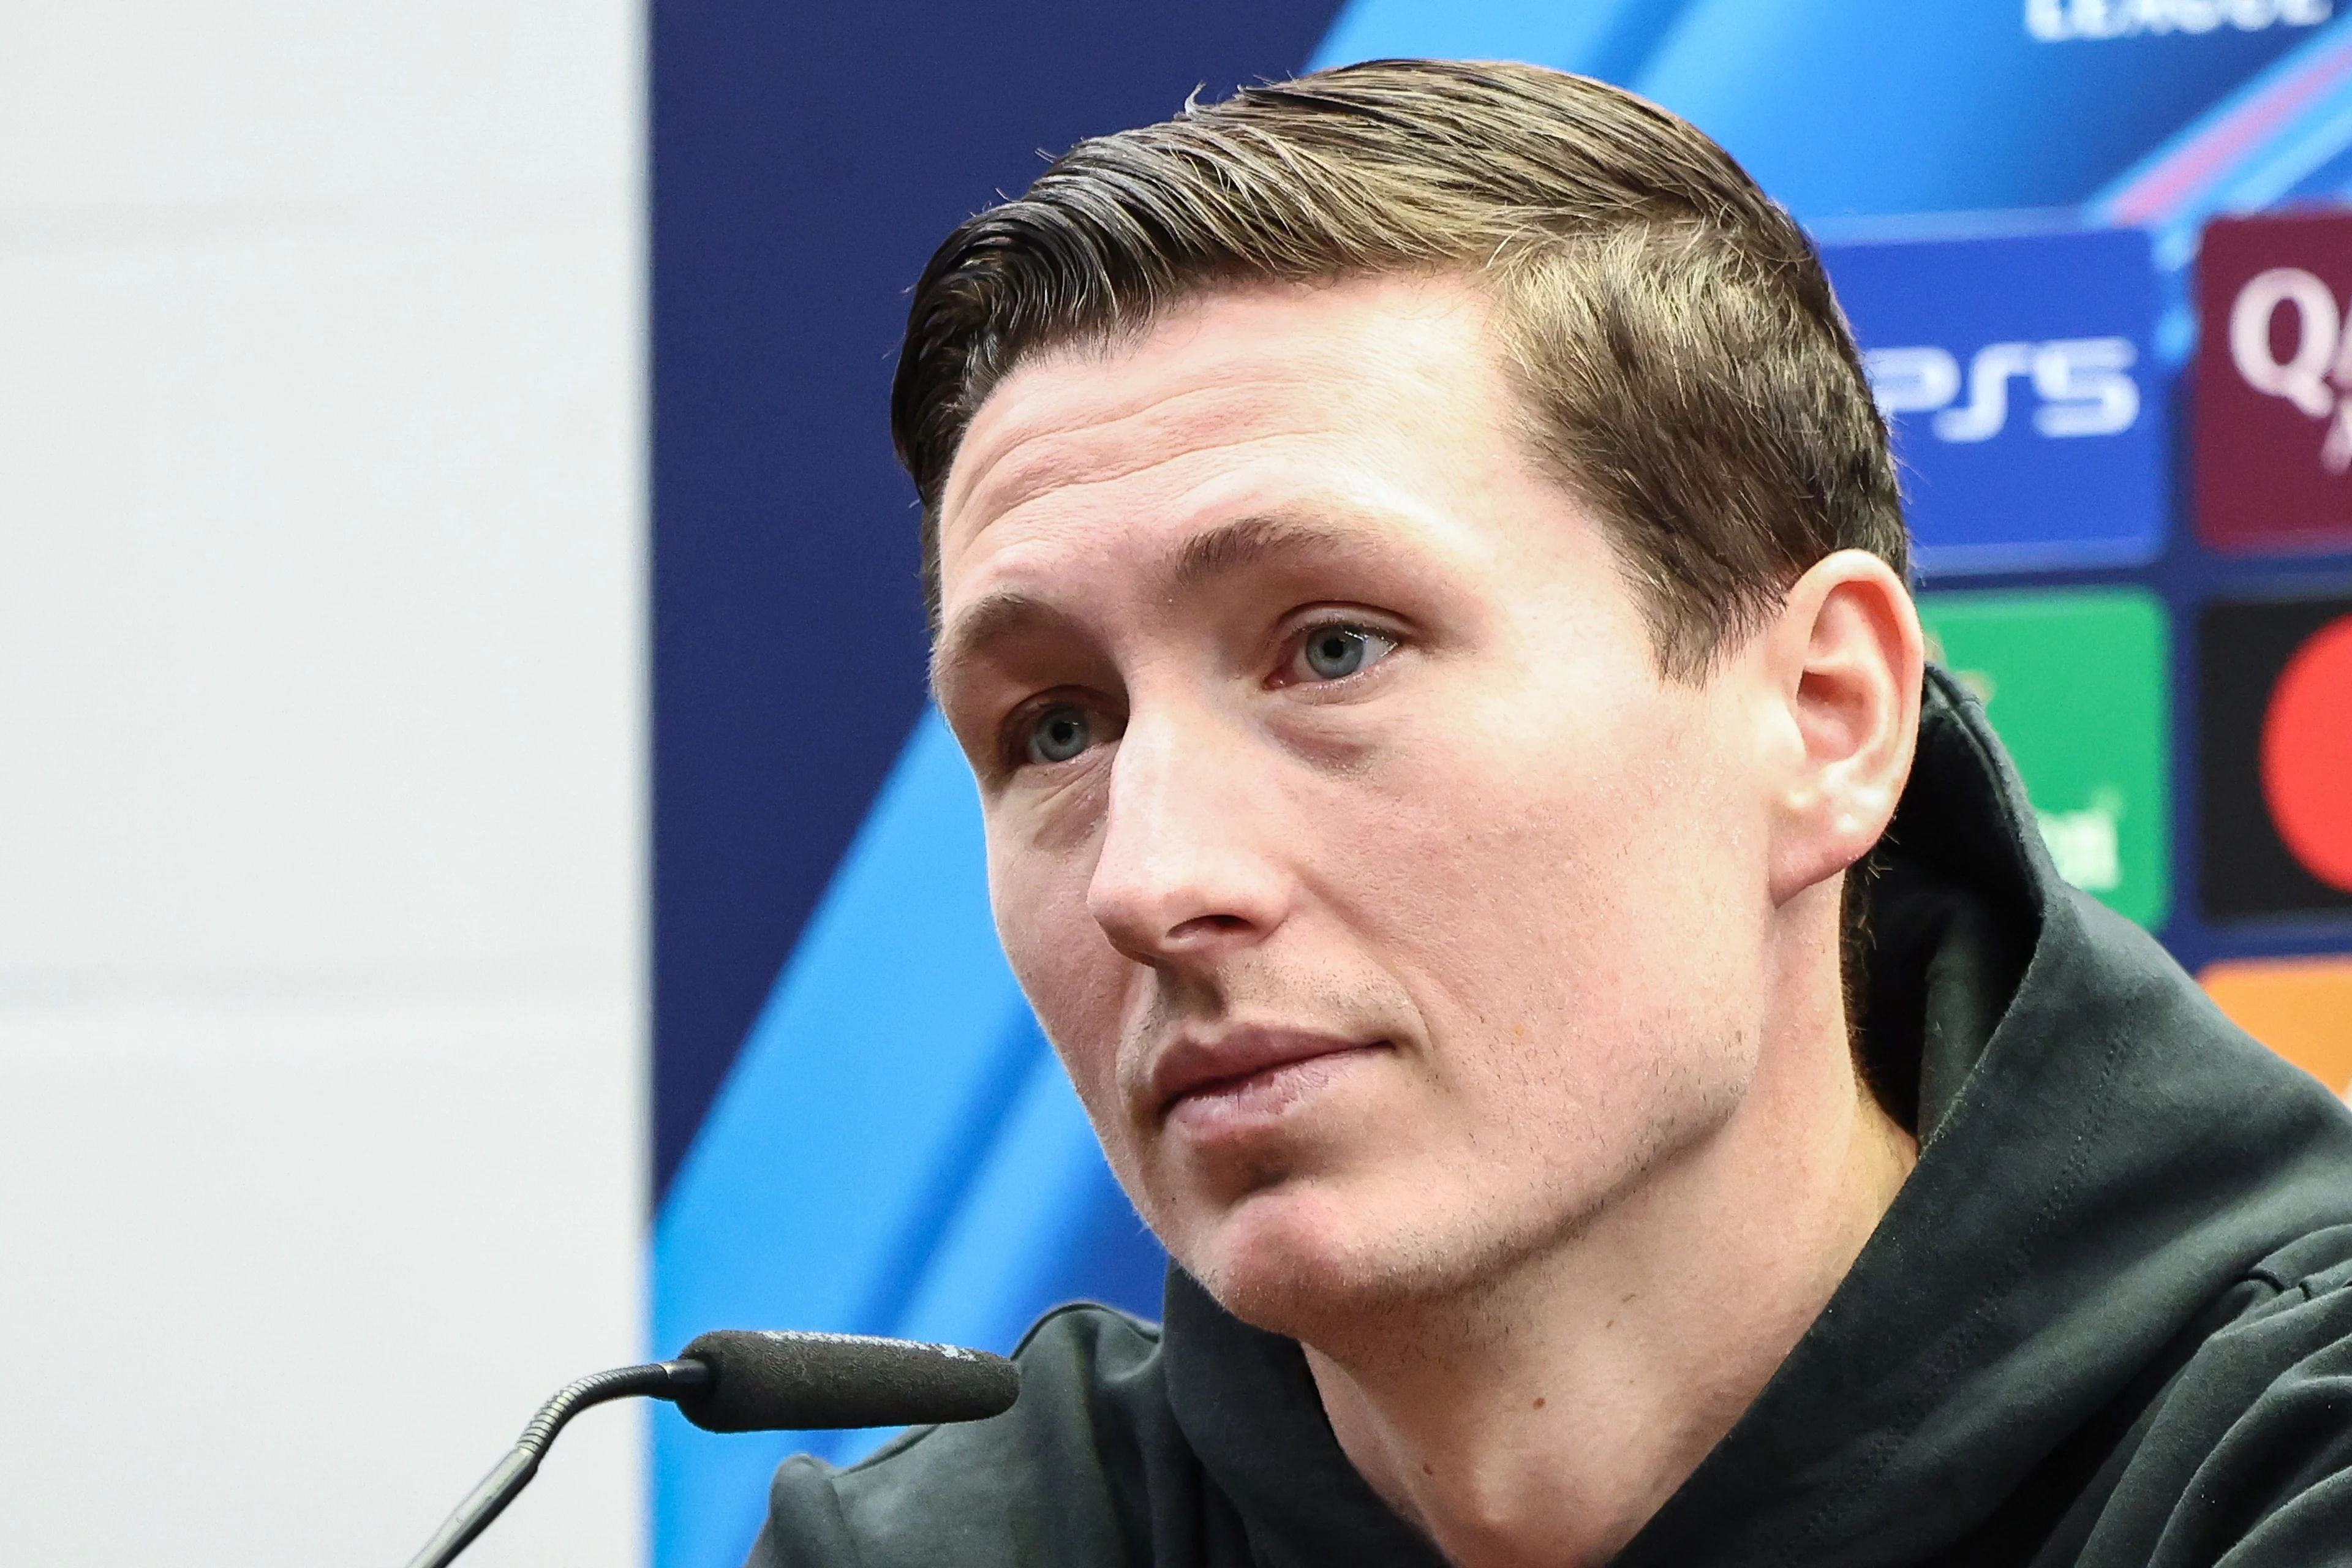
(858, 1125)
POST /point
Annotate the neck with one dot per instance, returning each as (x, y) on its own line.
(1546, 1420)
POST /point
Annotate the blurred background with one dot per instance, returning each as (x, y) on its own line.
(322, 542)
(481, 895)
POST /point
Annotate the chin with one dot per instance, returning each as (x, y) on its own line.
(1313, 1264)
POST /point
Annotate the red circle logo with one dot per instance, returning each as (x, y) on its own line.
(2307, 755)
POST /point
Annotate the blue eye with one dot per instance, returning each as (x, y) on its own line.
(1060, 733)
(1335, 652)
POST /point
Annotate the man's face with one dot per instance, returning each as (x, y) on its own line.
(1392, 914)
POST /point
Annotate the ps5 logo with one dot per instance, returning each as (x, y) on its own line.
(2320, 363)
(2080, 385)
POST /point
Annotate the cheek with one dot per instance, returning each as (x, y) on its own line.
(1575, 899)
(1074, 979)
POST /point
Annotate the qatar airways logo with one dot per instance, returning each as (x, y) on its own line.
(2058, 21)
(2317, 367)
(2077, 386)
(2273, 435)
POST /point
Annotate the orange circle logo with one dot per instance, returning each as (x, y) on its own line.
(2307, 755)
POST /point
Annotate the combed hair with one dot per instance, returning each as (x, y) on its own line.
(1682, 363)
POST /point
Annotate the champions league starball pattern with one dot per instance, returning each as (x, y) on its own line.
(2098, 256)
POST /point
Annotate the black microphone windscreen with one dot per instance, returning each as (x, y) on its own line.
(764, 1380)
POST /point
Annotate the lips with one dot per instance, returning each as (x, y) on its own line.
(1247, 1074)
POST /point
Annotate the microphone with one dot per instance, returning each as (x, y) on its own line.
(756, 1380)
(763, 1380)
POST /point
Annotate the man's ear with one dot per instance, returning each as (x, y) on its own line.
(1844, 661)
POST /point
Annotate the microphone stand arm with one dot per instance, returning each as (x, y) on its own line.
(662, 1380)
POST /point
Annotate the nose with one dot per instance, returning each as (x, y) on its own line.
(1186, 873)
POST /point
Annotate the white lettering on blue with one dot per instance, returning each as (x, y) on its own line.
(2059, 21)
(1912, 380)
(1988, 406)
(2082, 385)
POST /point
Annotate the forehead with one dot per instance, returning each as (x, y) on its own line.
(1241, 385)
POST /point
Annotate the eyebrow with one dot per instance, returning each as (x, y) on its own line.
(1220, 552)
(992, 615)
(1249, 541)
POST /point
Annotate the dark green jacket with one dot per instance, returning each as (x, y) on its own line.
(2107, 1320)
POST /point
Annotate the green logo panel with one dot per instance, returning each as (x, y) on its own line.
(2077, 682)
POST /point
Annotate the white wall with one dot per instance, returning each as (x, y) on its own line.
(321, 773)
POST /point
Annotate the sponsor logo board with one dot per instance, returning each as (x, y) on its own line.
(2017, 379)
(2273, 444)
(2274, 696)
(2074, 681)
(2300, 1007)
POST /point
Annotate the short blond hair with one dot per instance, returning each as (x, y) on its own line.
(1684, 368)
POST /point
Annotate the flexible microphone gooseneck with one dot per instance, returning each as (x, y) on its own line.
(756, 1380)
